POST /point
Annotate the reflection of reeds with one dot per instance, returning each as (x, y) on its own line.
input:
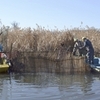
(48, 62)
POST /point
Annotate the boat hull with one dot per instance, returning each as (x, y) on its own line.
(4, 68)
(95, 70)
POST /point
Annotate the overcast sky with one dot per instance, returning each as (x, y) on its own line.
(51, 13)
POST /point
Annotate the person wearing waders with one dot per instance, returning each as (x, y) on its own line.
(90, 50)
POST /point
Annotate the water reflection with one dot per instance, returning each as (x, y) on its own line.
(47, 86)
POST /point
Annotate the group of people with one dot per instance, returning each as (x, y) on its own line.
(84, 48)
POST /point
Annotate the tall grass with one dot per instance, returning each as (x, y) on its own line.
(41, 39)
(37, 39)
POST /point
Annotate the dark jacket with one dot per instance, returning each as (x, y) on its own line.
(88, 45)
(1, 47)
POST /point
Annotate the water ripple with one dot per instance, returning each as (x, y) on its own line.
(49, 87)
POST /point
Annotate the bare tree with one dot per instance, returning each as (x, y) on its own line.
(15, 25)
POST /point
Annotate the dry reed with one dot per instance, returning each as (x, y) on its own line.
(41, 39)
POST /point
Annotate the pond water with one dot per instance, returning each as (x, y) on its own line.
(47, 86)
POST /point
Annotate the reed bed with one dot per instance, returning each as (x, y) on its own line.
(37, 40)
(52, 48)
(45, 40)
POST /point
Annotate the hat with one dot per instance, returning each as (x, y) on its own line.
(83, 38)
(75, 39)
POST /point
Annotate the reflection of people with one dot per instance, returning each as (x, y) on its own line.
(77, 50)
(90, 50)
(89, 79)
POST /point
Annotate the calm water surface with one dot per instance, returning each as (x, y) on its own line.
(44, 86)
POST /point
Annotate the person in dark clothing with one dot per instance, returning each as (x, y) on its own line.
(90, 50)
(10, 63)
(1, 47)
(76, 50)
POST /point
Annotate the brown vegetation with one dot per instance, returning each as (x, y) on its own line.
(33, 45)
(37, 39)
(41, 39)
